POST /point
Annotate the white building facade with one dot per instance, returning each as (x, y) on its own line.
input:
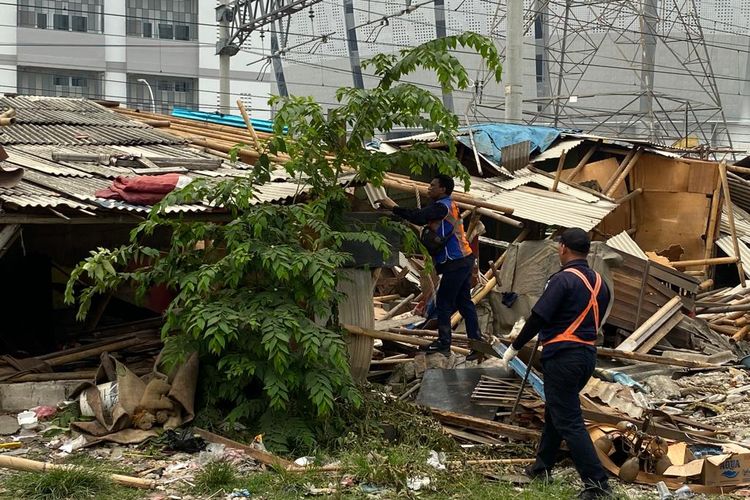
(106, 49)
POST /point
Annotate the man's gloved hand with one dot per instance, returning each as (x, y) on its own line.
(510, 353)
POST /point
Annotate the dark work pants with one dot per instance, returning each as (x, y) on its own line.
(454, 294)
(565, 375)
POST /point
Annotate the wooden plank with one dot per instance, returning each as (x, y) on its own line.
(660, 333)
(484, 425)
(649, 326)
(606, 352)
(261, 456)
(730, 218)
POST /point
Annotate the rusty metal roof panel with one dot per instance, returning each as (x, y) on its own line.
(20, 103)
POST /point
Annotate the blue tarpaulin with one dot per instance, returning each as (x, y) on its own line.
(221, 119)
(490, 138)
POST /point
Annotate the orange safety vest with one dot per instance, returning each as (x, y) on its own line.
(569, 334)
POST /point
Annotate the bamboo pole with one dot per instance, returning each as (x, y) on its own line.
(730, 219)
(24, 464)
(401, 306)
(713, 222)
(629, 196)
(703, 262)
(620, 178)
(401, 185)
(558, 172)
(396, 337)
(249, 124)
(741, 334)
(619, 169)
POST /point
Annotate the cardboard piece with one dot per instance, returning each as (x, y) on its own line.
(706, 475)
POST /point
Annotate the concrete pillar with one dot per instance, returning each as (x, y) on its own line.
(8, 53)
(115, 86)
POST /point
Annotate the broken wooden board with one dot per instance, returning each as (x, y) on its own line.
(649, 327)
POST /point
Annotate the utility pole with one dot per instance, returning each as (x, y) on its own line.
(649, 18)
(441, 32)
(513, 61)
(541, 52)
(351, 44)
(224, 17)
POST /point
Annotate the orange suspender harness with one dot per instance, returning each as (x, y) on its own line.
(569, 334)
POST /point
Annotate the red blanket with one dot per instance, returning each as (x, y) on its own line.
(143, 189)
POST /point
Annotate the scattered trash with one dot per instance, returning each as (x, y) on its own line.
(436, 460)
(74, 444)
(27, 419)
(304, 461)
(184, 440)
(663, 491)
(240, 493)
(418, 483)
(44, 412)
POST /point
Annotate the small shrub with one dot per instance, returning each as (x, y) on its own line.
(59, 484)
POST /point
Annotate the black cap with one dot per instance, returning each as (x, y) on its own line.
(576, 239)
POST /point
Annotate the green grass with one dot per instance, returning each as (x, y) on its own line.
(216, 476)
(58, 484)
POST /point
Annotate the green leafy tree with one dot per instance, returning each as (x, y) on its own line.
(256, 297)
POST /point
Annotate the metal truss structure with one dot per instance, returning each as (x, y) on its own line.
(569, 38)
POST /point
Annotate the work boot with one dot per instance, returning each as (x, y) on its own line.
(437, 347)
(473, 356)
(594, 492)
(544, 475)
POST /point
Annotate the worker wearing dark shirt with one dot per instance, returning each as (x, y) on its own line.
(454, 262)
(567, 317)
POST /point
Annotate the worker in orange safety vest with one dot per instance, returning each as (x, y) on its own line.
(567, 318)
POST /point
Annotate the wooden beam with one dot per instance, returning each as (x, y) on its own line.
(261, 456)
(584, 161)
(484, 425)
(560, 165)
(660, 333)
(409, 186)
(620, 178)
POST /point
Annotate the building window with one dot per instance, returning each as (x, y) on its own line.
(61, 22)
(61, 81)
(78, 15)
(26, 18)
(181, 32)
(169, 92)
(80, 23)
(79, 81)
(166, 31)
(169, 19)
(165, 86)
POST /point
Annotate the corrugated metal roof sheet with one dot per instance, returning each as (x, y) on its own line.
(75, 126)
(28, 133)
(557, 150)
(568, 207)
(625, 243)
